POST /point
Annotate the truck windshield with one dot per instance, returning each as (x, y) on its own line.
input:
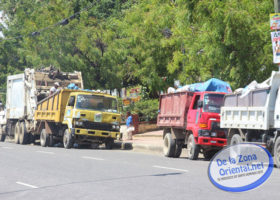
(96, 102)
(212, 103)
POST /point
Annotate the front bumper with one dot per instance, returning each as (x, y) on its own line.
(212, 141)
(94, 133)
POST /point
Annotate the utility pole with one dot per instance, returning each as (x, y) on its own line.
(276, 6)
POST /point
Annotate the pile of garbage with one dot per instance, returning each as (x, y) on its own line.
(213, 84)
(252, 86)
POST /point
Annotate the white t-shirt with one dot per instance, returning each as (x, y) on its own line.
(53, 90)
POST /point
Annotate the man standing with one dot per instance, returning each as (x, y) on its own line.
(129, 126)
(54, 88)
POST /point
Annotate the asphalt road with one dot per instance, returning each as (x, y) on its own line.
(34, 172)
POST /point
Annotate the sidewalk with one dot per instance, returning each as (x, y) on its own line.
(149, 141)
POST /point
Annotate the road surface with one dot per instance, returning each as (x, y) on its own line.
(33, 172)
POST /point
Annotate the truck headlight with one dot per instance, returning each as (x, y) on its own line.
(204, 133)
(79, 123)
(213, 134)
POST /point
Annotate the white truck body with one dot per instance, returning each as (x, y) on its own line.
(259, 109)
(254, 117)
(25, 90)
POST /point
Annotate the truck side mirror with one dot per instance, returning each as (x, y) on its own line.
(200, 104)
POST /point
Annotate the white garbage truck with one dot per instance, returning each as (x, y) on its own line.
(24, 91)
(253, 116)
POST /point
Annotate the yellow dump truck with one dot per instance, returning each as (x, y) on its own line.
(77, 116)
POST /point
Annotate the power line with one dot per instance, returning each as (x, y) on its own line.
(62, 22)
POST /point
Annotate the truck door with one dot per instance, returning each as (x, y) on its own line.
(193, 113)
(68, 116)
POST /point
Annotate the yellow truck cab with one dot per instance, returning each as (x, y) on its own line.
(78, 116)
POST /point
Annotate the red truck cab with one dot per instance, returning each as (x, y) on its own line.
(191, 120)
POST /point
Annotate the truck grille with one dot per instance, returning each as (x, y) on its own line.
(215, 127)
(97, 126)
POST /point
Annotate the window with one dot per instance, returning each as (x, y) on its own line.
(71, 101)
(195, 105)
(97, 102)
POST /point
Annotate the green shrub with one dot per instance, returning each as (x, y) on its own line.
(147, 110)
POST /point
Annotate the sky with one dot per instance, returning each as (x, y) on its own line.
(1, 35)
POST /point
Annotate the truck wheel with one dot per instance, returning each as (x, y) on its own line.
(109, 143)
(51, 140)
(277, 152)
(2, 134)
(236, 139)
(44, 138)
(169, 145)
(17, 132)
(67, 140)
(192, 148)
(23, 135)
(178, 151)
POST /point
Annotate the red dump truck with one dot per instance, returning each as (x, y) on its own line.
(191, 120)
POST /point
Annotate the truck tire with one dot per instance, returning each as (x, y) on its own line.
(192, 148)
(178, 149)
(169, 145)
(236, 139)
(51, 140)
(17, 132)
(67, 140)
(44, 138)
(23, 135)
(2, 134)
(277, 152)
(109, 143)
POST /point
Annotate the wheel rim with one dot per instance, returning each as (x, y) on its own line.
(17, 133)
(65, 140)
(234, 142)
(190, 146)
(42, 139)
(277, 155)
(165, 145)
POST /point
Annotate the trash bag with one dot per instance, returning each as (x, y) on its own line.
(72, 86)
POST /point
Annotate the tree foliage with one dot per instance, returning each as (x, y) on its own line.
(117, 43)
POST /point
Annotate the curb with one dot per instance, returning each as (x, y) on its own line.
(146, 147)
(141, 136)
(138, 147)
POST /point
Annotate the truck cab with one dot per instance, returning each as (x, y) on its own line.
(204, 122)
(92, 117)
(191, 120)
(78, 116)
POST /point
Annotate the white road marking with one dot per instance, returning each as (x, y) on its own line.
(7, 147)
(47, 152)
(92, 158)
(161, 167)
(25, 184)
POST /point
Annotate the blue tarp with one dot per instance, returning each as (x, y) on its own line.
(212, 84)
(72, 86)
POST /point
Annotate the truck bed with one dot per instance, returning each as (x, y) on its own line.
(256, 110)
(53, 107)
(173, 109)
(25, 90)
